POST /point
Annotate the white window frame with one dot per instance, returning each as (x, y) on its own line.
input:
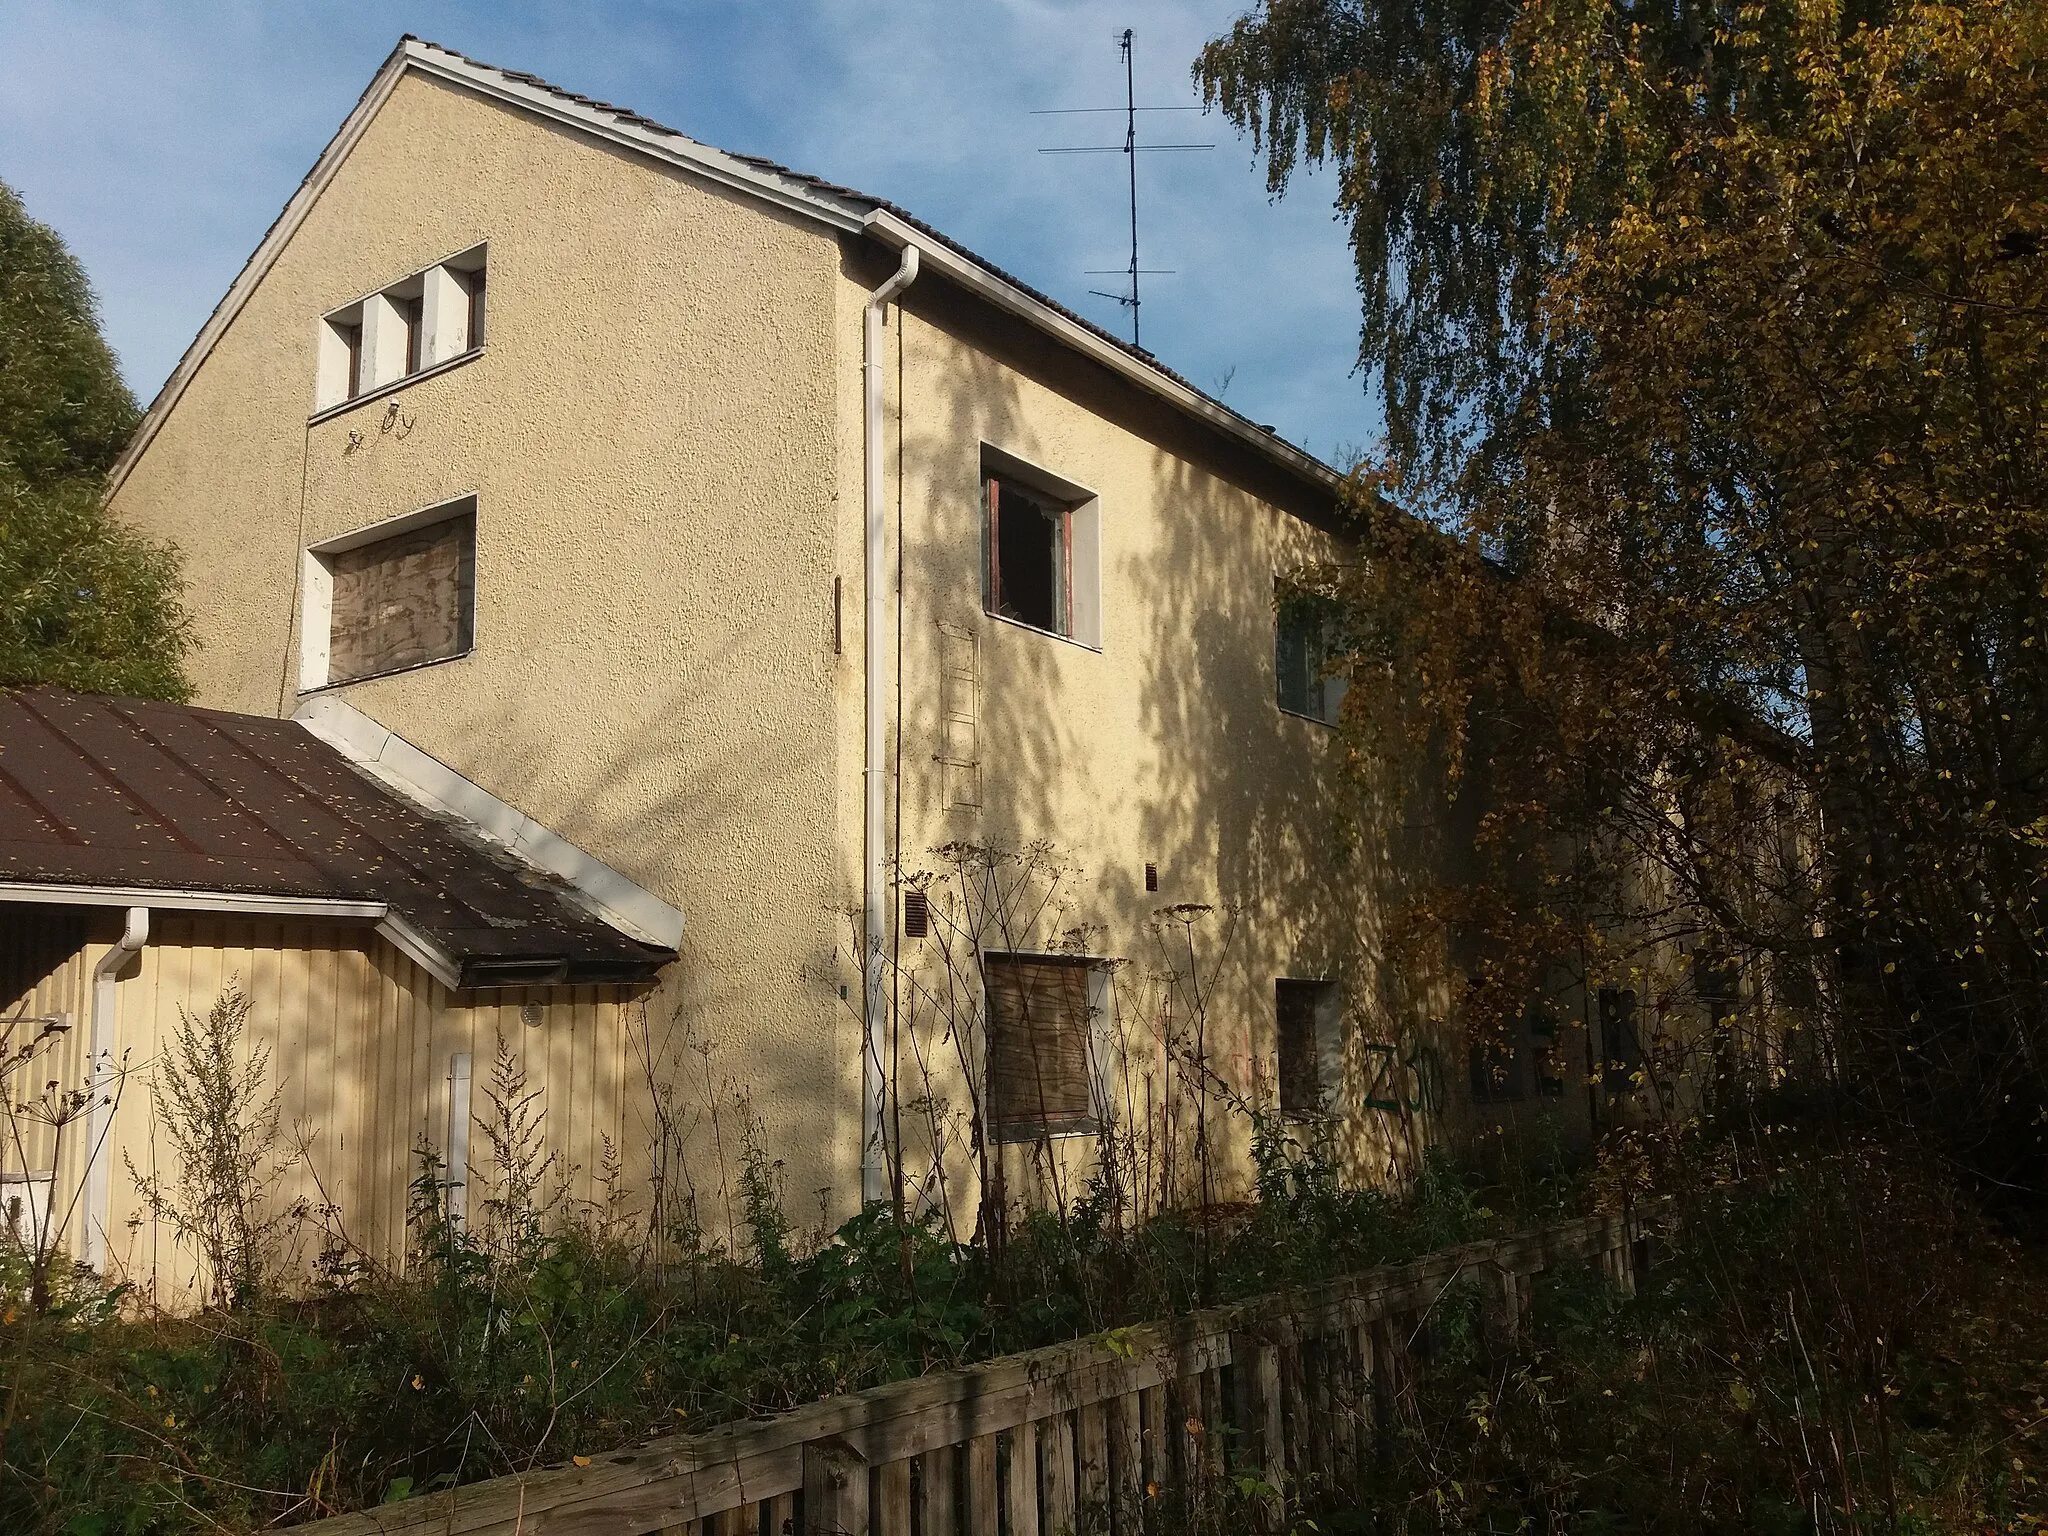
(1084, 550)
(316, 591)
(443, 293)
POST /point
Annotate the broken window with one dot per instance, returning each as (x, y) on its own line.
(1039, 1021)
(1309, 1018)
(1304, 646)
(1550, 1069)
(401, 601)
(1496, 1078)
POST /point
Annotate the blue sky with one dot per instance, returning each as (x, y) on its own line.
(162, 138)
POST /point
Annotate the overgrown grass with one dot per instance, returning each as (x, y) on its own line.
(1836, 1341)
(525, 1343)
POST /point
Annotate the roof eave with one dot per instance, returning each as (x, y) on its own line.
(896, 232)
(848, 214)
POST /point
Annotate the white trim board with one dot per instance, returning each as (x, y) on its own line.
(432, 784)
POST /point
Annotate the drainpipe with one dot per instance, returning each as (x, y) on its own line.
(874, 1170)
(100, 1124)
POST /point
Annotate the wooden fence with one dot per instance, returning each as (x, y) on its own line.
(1124, 1432)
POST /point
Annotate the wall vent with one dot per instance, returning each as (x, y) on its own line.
(917, 914)
(1151, 877)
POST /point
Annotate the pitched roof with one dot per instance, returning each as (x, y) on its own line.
(141, 803)
(813, 197)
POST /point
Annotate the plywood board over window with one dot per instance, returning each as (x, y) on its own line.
(404, 600)
(1038, 1028)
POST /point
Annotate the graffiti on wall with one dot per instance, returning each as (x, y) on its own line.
(1407, 1077)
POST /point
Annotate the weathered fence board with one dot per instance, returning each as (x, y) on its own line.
(1078, 1436)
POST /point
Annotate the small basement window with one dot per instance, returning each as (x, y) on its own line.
(420, 322)
(1041, 1016)
(1304, 646)
(1040, 545)
(392, 597)
(1311, 1042)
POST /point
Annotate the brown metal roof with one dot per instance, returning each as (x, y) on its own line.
(119, 793)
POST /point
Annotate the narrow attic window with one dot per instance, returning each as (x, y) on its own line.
(391, 597)
(426, 321)
(1040, 550)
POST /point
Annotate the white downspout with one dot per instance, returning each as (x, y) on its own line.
(100, 1123)
(874, 1171)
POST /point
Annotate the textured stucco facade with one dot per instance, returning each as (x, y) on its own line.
(664, 439)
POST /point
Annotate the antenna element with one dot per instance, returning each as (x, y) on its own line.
(1131, 148)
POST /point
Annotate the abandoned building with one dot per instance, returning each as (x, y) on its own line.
(662, 613)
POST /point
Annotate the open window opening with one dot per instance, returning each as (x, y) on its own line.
(1041, 543)
(1309, 1015)
(391, 597)
(431, 318)
(1043, 1012)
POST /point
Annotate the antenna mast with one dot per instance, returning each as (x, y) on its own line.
(1131, 154)
(1130, 149)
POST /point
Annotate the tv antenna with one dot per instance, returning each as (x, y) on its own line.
(1130, 148)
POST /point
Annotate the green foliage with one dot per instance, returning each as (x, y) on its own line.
(491, 1356)
(84, 602)
(1767, 482)
(64, 412)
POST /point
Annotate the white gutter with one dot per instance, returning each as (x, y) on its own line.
(242, 903)
(100, 1123)
(874, 1171)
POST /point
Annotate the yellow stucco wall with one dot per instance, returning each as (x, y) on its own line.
(651, 437)
(1165, 746)
(358, 1043)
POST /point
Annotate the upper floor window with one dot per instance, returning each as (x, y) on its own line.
(430, 318)
(1041, 550)
(387, 598)
(1304, 646)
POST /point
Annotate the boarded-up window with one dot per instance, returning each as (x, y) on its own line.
(1038, 1026)
(404, 600)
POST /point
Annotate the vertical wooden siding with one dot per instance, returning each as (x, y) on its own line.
(44, 971)
(359, 1041)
